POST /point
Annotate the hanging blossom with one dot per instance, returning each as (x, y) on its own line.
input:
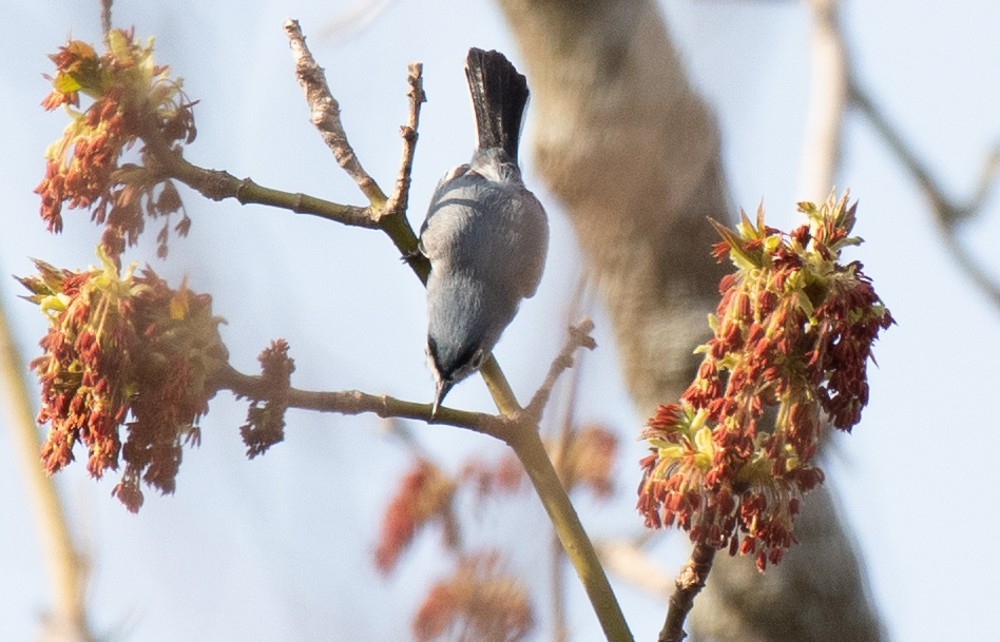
(425, 496)
(130, 97)
(793, 334)
(480, 601)
(127, 370)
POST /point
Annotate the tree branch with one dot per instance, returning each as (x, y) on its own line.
(690, 581)
(218, 185)
(579, 337)
(354, 402)
(325, 114)
(518, 429)
(947, 213)
(399, 201)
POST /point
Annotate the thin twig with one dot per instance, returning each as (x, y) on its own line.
(218, 185)
(399, 201)
(354, 402)
(947, 213)
(560, 456)
(689, 583)
(106, 19)
(516, 428)
(325, 114)
(523, 437)
(579, 337)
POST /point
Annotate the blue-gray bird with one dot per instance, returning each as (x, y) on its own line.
(485, 234)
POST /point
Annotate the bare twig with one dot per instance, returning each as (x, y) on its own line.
(399, 201)
(354, 402)
(325, 114)
(827, 102)
(560, 456)
(218, 185)
(523, 437)
(689, 583)
(106, 18)
(947, 212)
(516, 428)
(579, 337)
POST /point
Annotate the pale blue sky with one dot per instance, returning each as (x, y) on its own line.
(279, 548)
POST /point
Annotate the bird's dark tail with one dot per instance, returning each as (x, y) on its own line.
(499, 95)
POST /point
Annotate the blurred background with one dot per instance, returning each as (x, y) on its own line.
(280, 548)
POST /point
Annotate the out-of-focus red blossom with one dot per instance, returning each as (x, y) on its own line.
(424, 496)
(793, 334)
(130, 96)
(123, 351)
(504, 476)
(590, 457)
(478, 602)
(265, 424)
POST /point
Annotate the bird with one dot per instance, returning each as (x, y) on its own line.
(486, 235)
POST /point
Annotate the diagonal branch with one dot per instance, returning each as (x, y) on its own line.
(947, 213)
(579, 337)
(325, 114)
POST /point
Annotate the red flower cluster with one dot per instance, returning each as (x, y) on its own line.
(123, 351)
(793, 334)
(478, 602)
(265, 424)
(425, 495)
(131, 98)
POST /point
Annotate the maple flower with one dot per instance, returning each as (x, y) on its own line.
(793, 335)
(129, 96)
(478, 602)
(126, 370)
(425, 495)
(265, 424)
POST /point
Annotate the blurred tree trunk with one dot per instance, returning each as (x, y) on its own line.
(634, 154)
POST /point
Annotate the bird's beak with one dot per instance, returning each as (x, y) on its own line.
(442, 389)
